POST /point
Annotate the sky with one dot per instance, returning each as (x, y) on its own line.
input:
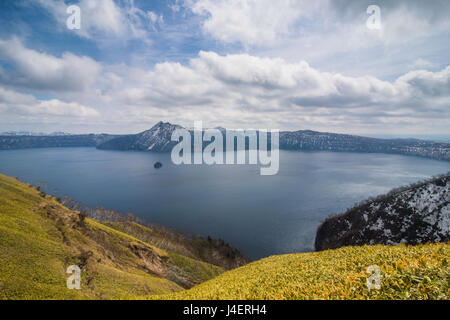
(262, 64)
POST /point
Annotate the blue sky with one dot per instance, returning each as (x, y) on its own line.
(234, 63)
(179, 39)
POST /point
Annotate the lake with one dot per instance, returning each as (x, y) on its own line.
(260, 215)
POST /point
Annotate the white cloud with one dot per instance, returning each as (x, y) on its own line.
(332, 33)
(422, 64)
(243, 75)
(251, 22)
(246, 90)
(155, 19)
(427, 84)
(104, 18)
(263, 22)
(237, 90)
(41, 71)
(56, 107)
(12, 97)
(13, 104)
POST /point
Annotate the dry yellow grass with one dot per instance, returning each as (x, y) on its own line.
(419, 272)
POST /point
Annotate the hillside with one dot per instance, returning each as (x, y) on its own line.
(213, 251)
(206, 249)
(415, 214)
(420, 272)
(40, 238)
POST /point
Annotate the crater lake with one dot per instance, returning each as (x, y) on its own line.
(259, 215)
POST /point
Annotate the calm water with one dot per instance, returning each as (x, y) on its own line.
(260, 215)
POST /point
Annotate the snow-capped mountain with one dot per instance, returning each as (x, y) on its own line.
(323, 141)
(410, 215)
(157, 139)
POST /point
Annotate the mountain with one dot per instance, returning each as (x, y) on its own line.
(158, 139)
(40, 239)
(29, 141)
(415, 214)
(320, 141)
(22, 133)
(31, 133)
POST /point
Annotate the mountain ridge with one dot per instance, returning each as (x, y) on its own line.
(158, 139)
(414, 214)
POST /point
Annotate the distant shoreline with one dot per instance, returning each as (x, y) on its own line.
(158, 139)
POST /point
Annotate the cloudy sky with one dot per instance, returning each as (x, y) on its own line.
(286, 64)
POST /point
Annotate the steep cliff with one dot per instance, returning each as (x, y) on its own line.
(411, 215)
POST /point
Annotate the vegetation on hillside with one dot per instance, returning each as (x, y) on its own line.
(213, 251)
(206, 249)
(407, 272)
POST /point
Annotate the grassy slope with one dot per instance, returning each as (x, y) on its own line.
(420, 272)
(39, 240)
(212, 251)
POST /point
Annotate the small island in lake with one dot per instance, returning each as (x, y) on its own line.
(157, 165)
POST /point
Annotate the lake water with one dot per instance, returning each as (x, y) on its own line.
(260, 215)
